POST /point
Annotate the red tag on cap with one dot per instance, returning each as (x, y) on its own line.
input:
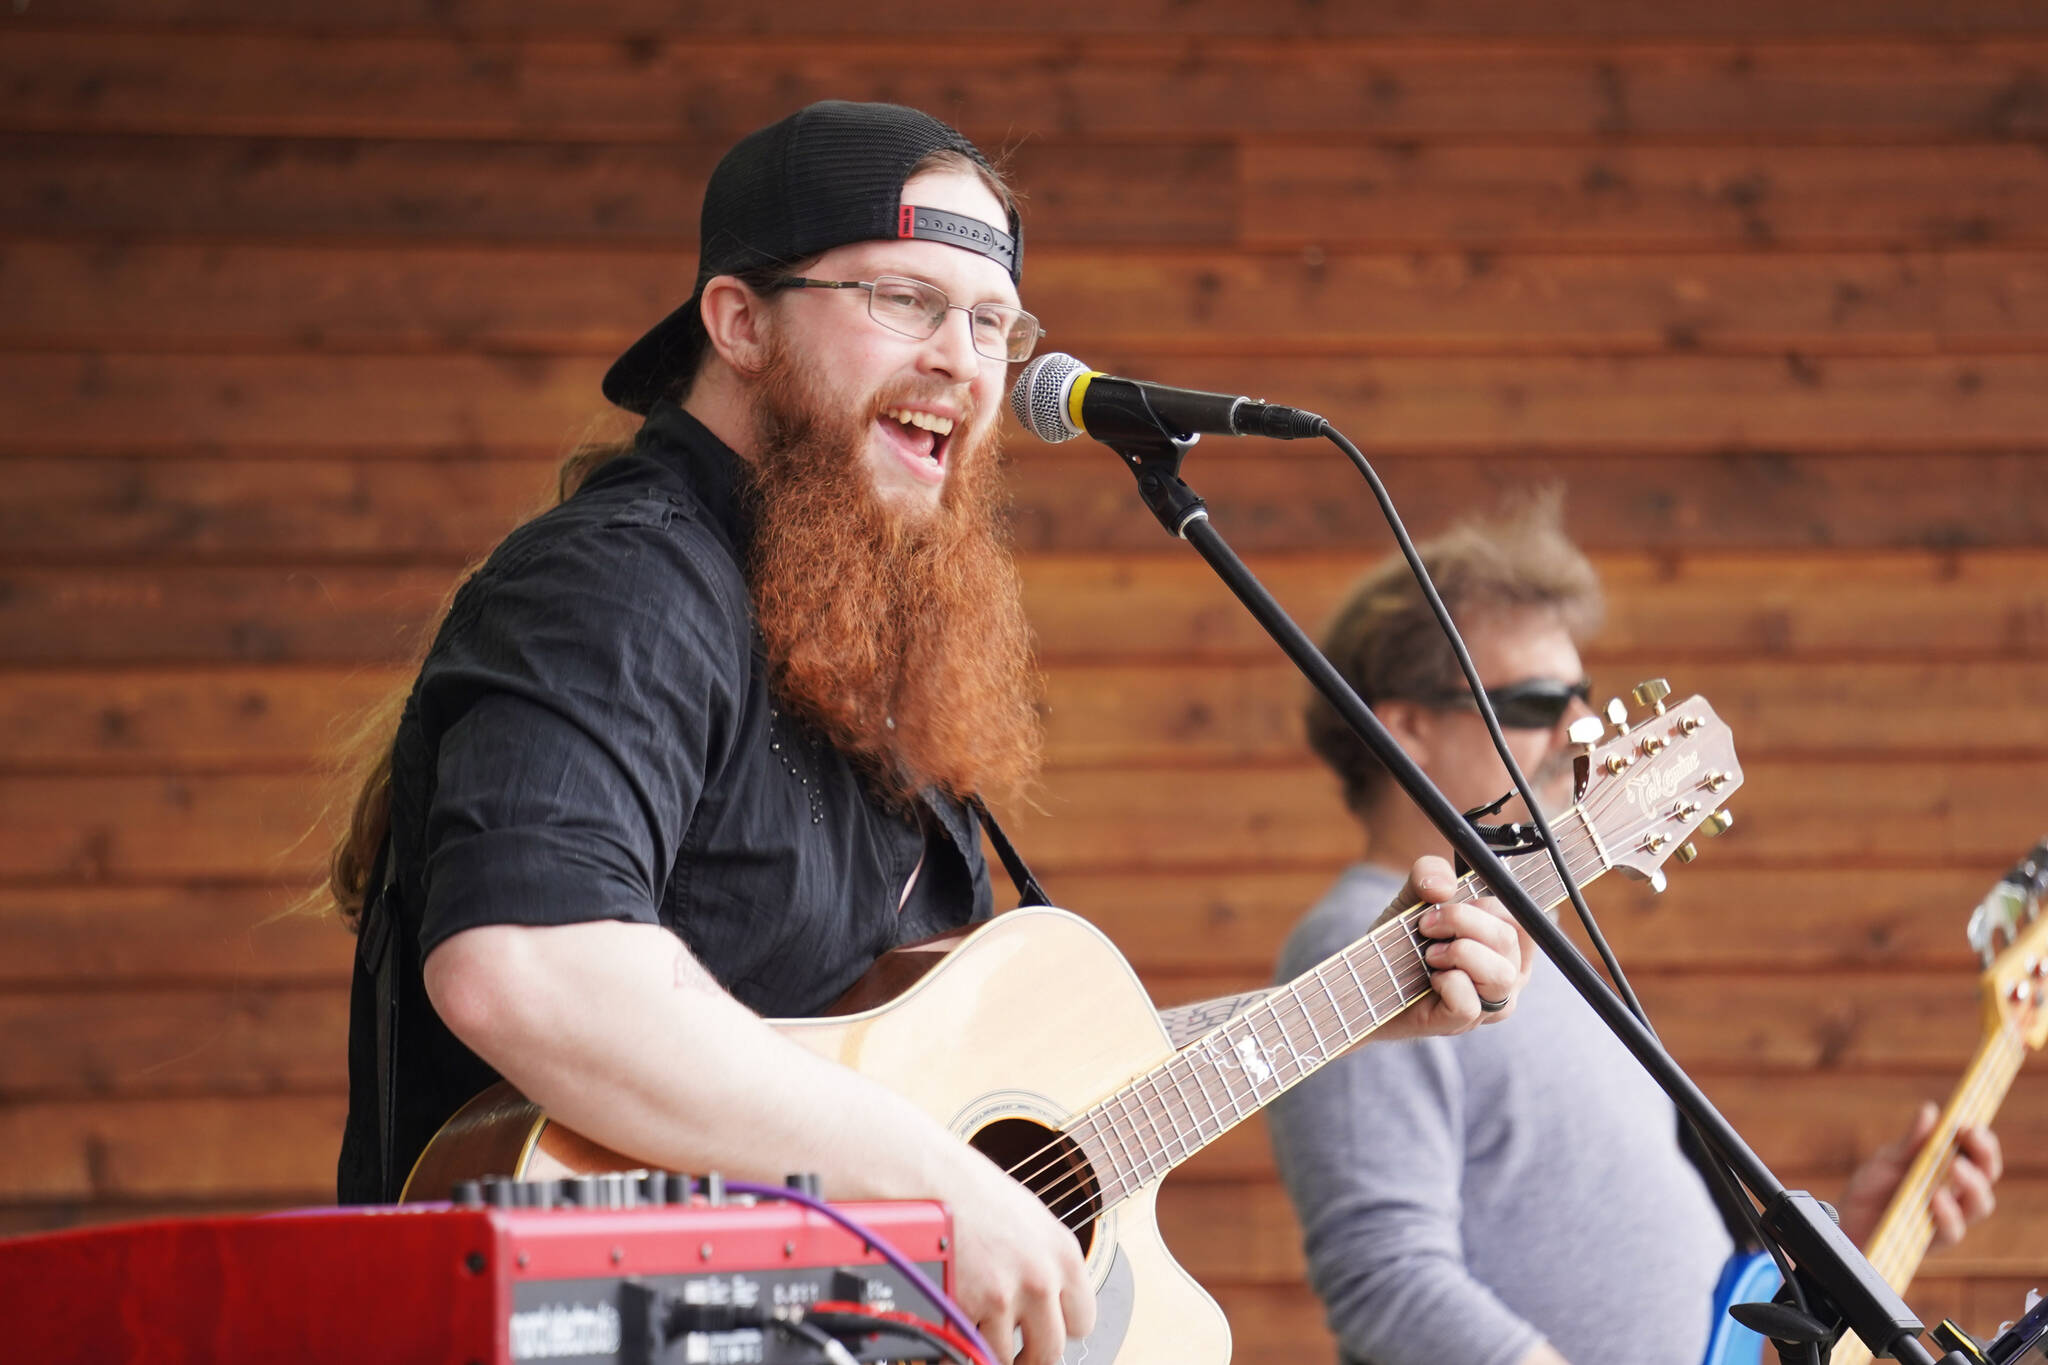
(906, 221)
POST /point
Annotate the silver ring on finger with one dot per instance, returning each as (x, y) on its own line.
(1494, 1006)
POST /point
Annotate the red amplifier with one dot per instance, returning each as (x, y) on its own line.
(521, 1275)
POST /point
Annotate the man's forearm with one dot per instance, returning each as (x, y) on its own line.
(619, 1033)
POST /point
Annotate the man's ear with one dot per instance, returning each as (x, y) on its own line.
(736, 323)
(1413, 728)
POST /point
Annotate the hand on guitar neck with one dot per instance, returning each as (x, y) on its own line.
(1477, 943)
(1964, 1197)
(1478, 935)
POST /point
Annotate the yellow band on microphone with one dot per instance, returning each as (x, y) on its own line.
(1074, 396)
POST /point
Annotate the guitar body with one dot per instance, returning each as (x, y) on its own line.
(1029, 1021)
(1751, 1278)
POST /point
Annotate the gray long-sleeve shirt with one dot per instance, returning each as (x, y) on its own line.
(1462, 1198)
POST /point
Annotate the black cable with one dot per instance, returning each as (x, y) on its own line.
(814, 1335)
(849, 1324)
(1716, 1164)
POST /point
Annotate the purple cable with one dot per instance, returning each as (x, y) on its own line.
(918, 1279)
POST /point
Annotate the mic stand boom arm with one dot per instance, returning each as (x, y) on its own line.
(1827, 1260)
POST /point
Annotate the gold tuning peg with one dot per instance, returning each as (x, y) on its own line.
(1617, 715)
(1651, 693)
(1718, 822)
(1586, 730)
(1685, 852)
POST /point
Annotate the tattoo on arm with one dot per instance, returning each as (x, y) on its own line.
(1185, 1023)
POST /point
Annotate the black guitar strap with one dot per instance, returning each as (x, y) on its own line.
(1029, 892)
(376, 950)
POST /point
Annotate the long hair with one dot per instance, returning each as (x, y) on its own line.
(362, 762)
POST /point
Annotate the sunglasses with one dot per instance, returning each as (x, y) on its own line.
(1532, 704)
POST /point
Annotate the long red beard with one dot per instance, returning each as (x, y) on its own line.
(901, 638)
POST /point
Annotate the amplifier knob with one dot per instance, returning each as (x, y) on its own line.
(469, 1194)
(582, 1190)
(499, 1192)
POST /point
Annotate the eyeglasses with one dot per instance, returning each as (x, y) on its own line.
(1532, 704)
(916, 309)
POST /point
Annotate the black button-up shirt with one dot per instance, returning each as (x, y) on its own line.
(592, 737)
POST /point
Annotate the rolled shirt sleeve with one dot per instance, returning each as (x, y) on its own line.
(586, 686)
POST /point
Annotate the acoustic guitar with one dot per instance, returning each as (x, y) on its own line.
(1034, 1041)
(2010, 937)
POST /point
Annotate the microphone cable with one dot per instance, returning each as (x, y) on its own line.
(1041, 408)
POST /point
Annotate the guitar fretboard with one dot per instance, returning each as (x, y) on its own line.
(1906, 1231)
(1168, 1114)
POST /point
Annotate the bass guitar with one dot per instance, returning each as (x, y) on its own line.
(1034, 1041)
(2010, 937)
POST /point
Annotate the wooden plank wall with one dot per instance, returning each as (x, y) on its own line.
(299, 304)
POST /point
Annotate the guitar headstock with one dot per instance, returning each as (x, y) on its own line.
(1649, 785)
(2010, 935)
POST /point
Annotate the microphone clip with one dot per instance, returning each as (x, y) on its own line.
(1155, 459)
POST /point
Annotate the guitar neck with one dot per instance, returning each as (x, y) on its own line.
(1906, 1231)
(1226, 1075)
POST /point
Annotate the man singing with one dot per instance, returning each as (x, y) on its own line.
(697, 745)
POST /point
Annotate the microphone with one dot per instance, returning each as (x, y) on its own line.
(1057, 398)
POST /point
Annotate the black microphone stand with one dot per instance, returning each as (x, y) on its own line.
(1839, 1281)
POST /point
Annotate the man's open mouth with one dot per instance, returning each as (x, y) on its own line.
(918, 434)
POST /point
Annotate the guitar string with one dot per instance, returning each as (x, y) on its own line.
(1099, 1115)
(1411, 985)
(2010, 1053)
(1896, 1252)
(1078, 1181)
(1175, 1067)
(1898, 1257)
(1052, 1153)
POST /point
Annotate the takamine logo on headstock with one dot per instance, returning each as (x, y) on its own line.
(1646, 787)
(1657, 785)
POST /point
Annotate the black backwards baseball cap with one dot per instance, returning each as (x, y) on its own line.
(829, 174)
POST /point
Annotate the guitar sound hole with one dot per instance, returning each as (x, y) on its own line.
(1051, 1165)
